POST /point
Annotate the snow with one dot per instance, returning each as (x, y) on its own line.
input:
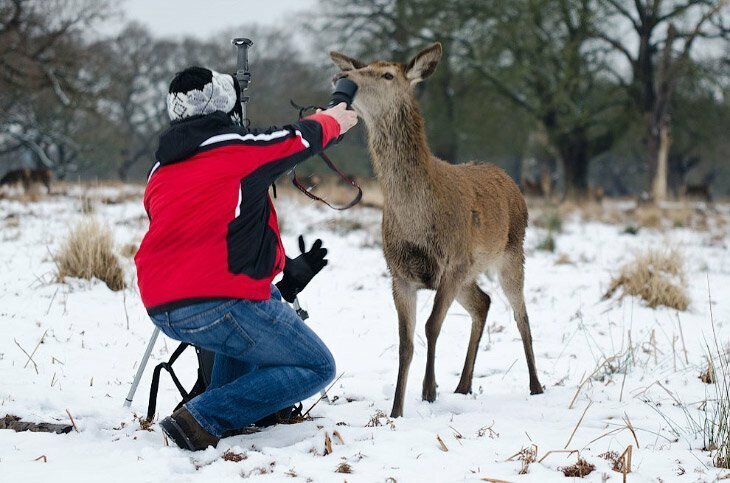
(94, 339)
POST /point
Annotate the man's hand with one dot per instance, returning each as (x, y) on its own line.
(346, 119)
(299, 271)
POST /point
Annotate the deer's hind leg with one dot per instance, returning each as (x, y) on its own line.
(512, 278)
(404, 296)
(477, 303)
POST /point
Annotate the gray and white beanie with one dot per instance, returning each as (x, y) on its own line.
(199, 91)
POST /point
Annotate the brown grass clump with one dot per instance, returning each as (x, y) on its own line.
(580, 469)
(375, 420)
(526, 456)
(614, 458)
(88, 253)
(230, 455)
(708, 375)
(343, 468)
(648, 216)
(681, 217)
(657, 276)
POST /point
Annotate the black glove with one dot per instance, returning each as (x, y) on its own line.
(299, 271)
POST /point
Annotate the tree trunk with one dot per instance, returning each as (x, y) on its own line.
(659, 182)
(575, 168)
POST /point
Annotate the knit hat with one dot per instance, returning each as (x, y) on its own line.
(199, 91)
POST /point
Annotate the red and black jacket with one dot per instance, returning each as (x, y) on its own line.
(213, 229)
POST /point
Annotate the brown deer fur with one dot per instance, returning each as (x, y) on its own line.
(443, 224)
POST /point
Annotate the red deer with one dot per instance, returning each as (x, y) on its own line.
(443, 224)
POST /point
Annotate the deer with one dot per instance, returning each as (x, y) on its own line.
(443, 224)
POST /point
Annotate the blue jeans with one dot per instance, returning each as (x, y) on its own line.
(266, 358)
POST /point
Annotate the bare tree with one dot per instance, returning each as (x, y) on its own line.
(658, 47)
(137, 69)
(42, 58)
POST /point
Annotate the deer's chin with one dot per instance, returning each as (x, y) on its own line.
(359, 109)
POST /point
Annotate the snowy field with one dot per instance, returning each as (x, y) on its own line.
(93, 339)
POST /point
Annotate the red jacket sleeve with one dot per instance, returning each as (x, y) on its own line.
(280, 149)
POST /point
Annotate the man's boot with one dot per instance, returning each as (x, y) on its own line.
(186, 432)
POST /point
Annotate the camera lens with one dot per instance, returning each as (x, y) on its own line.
(344, 91)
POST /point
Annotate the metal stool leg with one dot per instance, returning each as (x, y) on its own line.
(140, 369)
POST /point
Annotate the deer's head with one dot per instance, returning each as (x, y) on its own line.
(383, 85)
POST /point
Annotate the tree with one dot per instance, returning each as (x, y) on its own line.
(42, 61)
(658, 50)
(535, 53)
(539, 54)
(137, 70)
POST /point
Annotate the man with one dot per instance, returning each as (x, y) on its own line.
(213, 247)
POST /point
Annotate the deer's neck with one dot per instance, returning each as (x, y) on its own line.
(401, 158)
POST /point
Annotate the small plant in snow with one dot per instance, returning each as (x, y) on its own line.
(657, 276)
(87, 253)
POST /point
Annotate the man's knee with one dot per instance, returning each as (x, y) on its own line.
(328, 368)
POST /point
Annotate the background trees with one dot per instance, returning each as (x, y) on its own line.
(629, 95)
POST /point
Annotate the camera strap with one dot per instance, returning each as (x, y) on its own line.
(331, 165)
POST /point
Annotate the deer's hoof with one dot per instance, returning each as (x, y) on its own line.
(536, 389)
(463, 389)
(429, 394)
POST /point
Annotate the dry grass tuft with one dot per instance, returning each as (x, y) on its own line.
(376, 418)
(343, 468)
(231, 455)
(614, 458)
(580, 469)
(649, 216)
(526, 456)
(708, 375)
(657, 276)
(88, 253)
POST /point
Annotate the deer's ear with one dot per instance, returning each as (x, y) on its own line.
(424, 63)
(344, 62)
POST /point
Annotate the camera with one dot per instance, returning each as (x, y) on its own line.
(344, 91)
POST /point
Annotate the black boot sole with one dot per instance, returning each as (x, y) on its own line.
(173, 431)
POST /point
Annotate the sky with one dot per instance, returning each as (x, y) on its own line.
(203, 18)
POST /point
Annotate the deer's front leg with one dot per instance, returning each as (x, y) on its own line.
(404, 296)
(445, 294)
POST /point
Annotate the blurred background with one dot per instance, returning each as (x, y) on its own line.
(574, 98)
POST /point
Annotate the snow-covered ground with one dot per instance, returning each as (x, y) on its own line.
(93, 339)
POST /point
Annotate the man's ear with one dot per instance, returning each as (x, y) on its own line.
(424, 63)
(344, 62)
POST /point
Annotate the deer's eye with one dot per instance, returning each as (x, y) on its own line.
(388, 76)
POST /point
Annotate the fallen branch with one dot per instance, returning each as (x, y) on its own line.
(14, 423)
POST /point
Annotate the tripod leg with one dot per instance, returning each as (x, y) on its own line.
(140, 369)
